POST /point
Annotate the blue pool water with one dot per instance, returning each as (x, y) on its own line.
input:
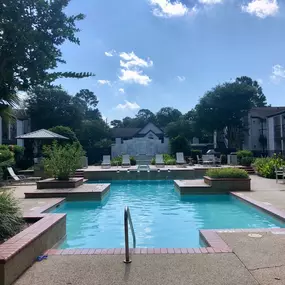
(161, 217)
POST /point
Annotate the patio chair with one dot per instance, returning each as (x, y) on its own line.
(106, 163)
(126, 160)
(208, 159)
(279, 172)
(180, 158)
(199, 160)
(159, 160)
(217, 161)
(20, 178)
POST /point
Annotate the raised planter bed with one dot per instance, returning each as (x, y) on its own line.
(52, 183)
(228, 184)
(19, 252)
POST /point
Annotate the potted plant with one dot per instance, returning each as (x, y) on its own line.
(61, 162)
(228, 179)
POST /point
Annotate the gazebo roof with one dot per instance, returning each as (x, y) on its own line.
(42, 134)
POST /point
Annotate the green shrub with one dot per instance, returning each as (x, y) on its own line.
(133, 160)
(170, 161)
(244, 153)
(224, 159)
(265, 167)
(61, 161)
(11, 221)
(227, 173)
(5, 155)
(117, 161)
(18, 153)
(180, 144)
(246, 161)
(194, 153)
(152, 161)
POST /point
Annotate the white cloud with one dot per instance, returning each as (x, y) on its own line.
(164, 8)
(104, 82)
(122, 90)
(210, 2)
(110, 53)
(134, 76)
(132, 60)
(181, 78)
(128, 106)
(278, 73)
(261, 8)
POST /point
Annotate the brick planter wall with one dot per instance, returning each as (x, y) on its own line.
(228, 184)
(52, 183)
(19, 252)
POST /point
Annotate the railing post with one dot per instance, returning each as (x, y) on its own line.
(127, 249)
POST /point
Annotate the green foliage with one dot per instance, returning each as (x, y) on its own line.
(167, 115)
(66, 132)
(244, 153)
(62, 161)
(181, 127)
(5, 155)
(31, 35)
(180, 144)
(117, 161)
(50, 107)
(133, 160)
(194, 153)
(18, 153)
(224, 159)
(226, 173)
(171, 161)
(167, 159)
(246, 161)
(265, 167)
(225, 106)
(11, 221)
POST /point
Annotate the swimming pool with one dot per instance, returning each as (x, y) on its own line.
(161, 217)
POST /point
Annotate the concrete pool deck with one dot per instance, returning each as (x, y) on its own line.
(253, 260)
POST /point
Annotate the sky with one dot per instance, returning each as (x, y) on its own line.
(156, 53)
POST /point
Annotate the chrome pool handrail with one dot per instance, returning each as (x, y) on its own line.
(128, 220)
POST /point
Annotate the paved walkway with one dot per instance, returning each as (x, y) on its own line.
(196, 269)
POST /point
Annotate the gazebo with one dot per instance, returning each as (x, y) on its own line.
(39, 136)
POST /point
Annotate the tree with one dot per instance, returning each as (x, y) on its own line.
(31, 33)
(180, 144)
(167, 115)
(224, 107)
(92, 132)
(87, 101)
(117, 124)
(66, 132)
(145, 116)
(181, 127)
(50, 107)
(259, 99)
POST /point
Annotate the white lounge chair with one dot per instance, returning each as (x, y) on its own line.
(20, 178)
(208, 159)
(180, 158)
(199, 160)
(279, 172)
(126, 160)
(106, 163)
(159, 160)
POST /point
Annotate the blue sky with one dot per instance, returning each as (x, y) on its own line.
(155, 53)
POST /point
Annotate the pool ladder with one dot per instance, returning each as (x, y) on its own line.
(127, 222)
